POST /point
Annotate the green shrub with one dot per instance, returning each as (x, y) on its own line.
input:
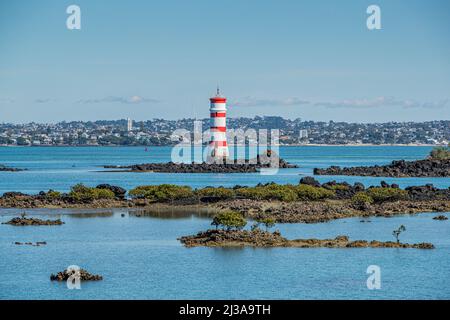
(285, 193)
(81, 193)
(361, 200)
(440, 153)
(254, 193)
(221, 193)
(161, 193)
(52, 194)
(103, 194)
(310, 193)
(229, 220)
(379, 194)
(338, 187)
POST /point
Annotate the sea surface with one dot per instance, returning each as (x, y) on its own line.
(140, 258)
(59, 168)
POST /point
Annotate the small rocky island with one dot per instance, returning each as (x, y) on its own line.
(25, 221)
(37, 244)
(259, 238)
(10, 169)
(84, 276)
(233, 235)
(436, 165)
(246, 166)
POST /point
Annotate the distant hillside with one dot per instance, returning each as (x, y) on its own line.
(159, 131)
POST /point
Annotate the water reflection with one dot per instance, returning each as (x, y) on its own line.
(165, 212)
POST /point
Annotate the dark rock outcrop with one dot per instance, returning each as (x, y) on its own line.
(9, 169)
(25, 221)
(259, 238)
(84, 276)
(237, 166)
(310, 181)
(37, 244)
(427, 192)
(119, 192)
(440, 217)
(398, 168)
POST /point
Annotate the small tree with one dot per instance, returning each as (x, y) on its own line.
(396, 233)
(268, 223)
(229, 220)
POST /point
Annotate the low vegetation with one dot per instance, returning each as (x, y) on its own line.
(220, 193)
(162, 193)
(380, 194)
(229, 220)
(310, 193)
(440, 153)
(81, 193)
(271, 191)
(361, 200)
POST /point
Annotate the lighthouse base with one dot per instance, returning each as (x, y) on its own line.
(217, 154)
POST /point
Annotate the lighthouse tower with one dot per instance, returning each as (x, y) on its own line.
(218, 128)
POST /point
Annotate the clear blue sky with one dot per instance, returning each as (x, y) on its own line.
(163, 59)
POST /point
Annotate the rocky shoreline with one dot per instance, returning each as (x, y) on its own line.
(259, 238)
(245, 166)
(307, 202)
(399, 168)
(324, 211)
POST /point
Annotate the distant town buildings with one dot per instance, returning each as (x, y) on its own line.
(159, 131)
(303, 134)
(129, 124)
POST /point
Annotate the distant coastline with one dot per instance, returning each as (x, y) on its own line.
(161, 132)
(231, 145)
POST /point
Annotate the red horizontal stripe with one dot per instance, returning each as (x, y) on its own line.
(218, 129)
(218, 100)
(218, 114)
(218, 143)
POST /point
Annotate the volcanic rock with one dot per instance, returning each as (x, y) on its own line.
(24, 221)
(397, 168)
(84, 276)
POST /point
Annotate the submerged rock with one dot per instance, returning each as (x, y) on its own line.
(9, 169)
(440, 217)
(84, 276)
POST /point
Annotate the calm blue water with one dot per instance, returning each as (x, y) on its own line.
(140, 258)
(59, 168)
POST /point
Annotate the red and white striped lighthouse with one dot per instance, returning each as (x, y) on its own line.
(218, 127)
